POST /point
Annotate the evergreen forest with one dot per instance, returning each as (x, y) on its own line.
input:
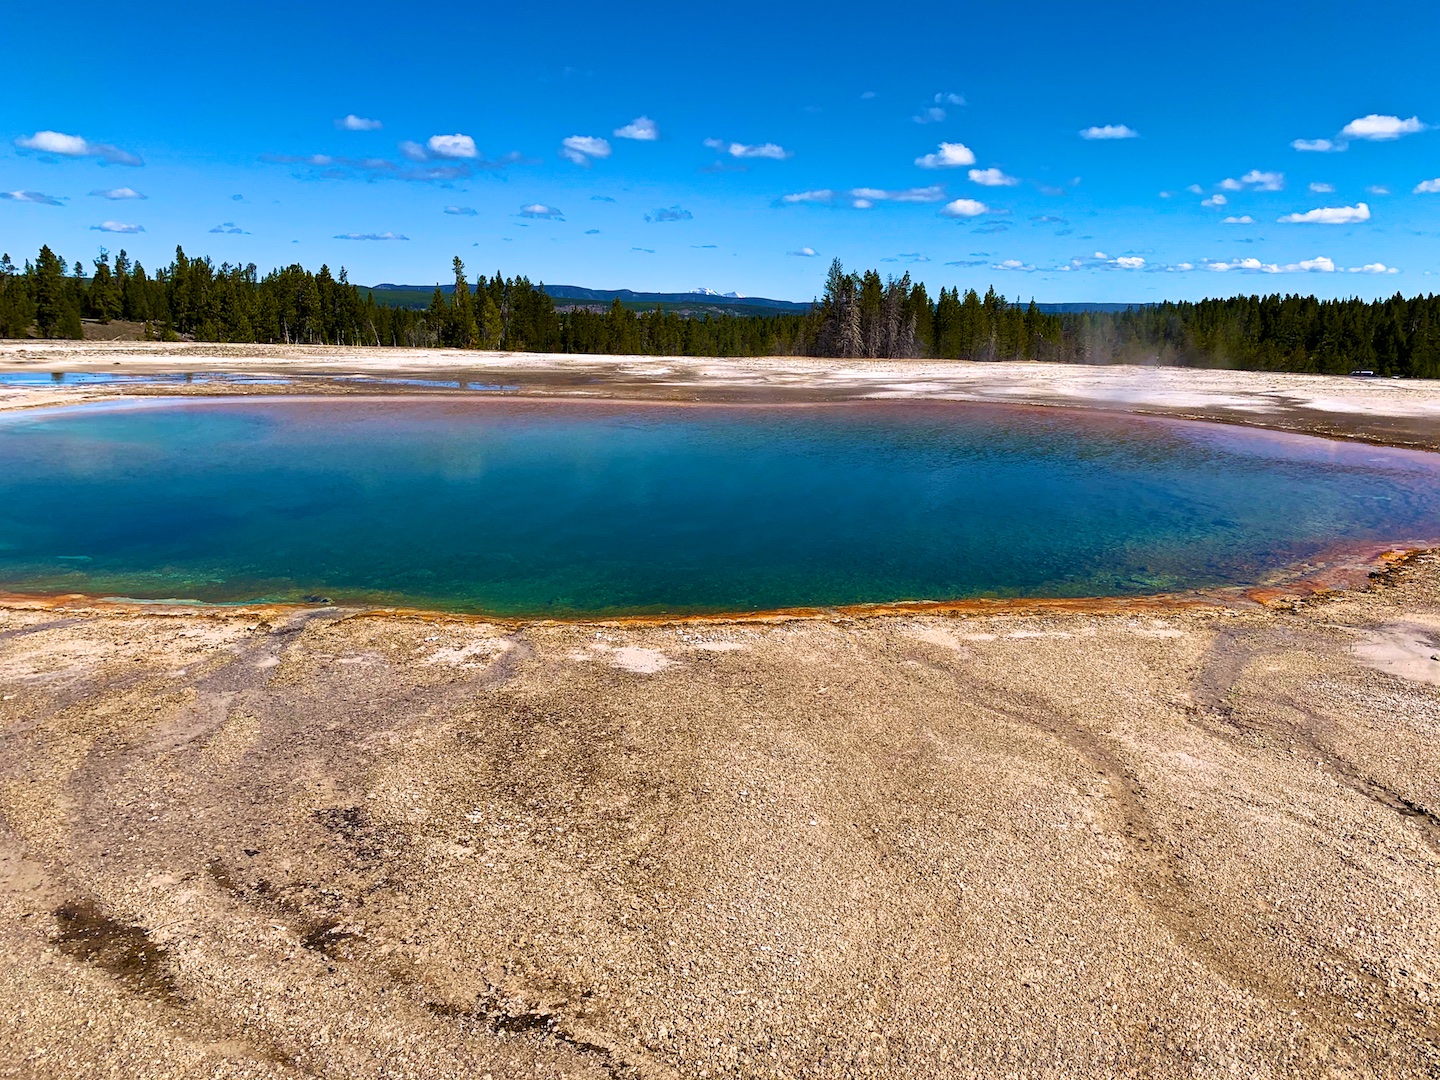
(858, 315)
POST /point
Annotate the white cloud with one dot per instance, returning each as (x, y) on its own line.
(804, 253)
(931, 194)
(1373, 268)
(352, 122)
(55, 142)
(1097, 261)
(1263, 181)
(1427, 187)
(456, 148)
(949, 99)
(1378, 189)
(540, 210)
(1195, 189)
(964, 208)
(951, 154)
(642, 129)
(451, 146)
(1372, 128)
(580, 149)
(371, 236)
(743, 150)
(819, 195)
(1319, 264)
(992, 178)
(1243, 219)
(863, 198)
(73, 146)
(461, 211)
(37, 197)
(1110, 131)
(1100, 261)
(1377, 128)
(1321, 188)
(117, 227)
(1214, 200)
(117, 193)
(1329, 215)
(1260, 181)
(763, 150)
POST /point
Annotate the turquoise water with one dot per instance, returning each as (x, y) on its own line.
(45, 379)
(31, 379)
(531, 508)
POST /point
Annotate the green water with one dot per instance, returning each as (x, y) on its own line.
(529, 508)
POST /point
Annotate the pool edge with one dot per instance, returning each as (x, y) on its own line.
(1350, 568)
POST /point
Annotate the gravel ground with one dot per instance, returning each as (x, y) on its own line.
(315, 842)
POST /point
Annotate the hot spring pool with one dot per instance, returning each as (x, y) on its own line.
(528, 508)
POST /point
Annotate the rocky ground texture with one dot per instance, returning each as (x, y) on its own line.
(317, 842)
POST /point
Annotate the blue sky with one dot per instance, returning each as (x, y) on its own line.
(1123, 151)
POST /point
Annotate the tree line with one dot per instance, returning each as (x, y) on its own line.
(192, 298)
(861, 316)
(858, 315)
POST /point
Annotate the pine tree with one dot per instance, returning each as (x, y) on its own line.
(490, 326)
(840, 333)
(17, 311)
(438, 318)
(103, 298)
(464, 333)
(52, 294)
(922, 319)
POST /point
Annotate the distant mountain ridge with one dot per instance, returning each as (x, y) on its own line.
(702, 299)
(572, 295)
(1076, 307)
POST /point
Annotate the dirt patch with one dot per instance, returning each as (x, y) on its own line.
(123, 950)
(1407, 650)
